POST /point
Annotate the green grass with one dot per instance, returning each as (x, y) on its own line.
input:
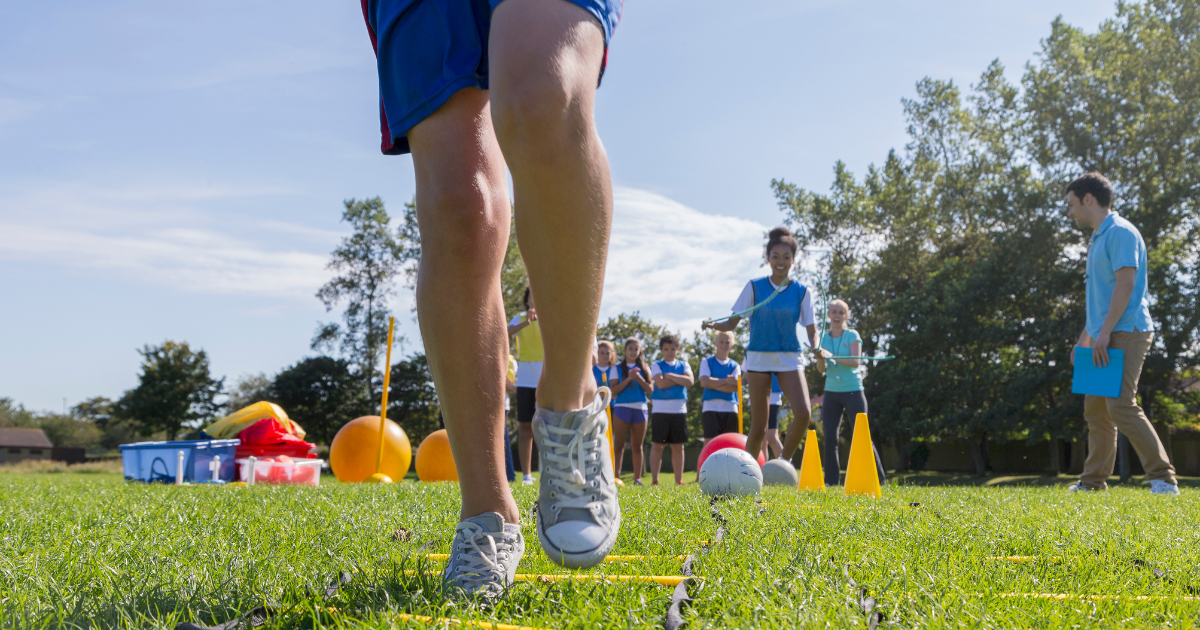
(93, 551)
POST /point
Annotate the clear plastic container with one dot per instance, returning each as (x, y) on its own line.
(280, 470)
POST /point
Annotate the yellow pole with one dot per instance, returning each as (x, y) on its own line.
(611, 451)
(379, 477)
(739, 394)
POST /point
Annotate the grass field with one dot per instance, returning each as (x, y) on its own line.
(92, 551)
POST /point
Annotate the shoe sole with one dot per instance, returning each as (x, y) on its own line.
(585, 560)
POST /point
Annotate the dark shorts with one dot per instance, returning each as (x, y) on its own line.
(426, 50)
(668, 428)
(526, 403)
(773, 417)
(629, 415)
(717, 422)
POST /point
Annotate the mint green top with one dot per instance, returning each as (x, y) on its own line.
(838, 377)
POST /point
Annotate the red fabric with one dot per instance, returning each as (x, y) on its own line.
(268, 431)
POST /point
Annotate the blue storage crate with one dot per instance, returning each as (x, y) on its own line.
(156, 461)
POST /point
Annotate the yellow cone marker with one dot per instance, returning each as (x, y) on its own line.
(739, 390)
(861, 477)
(811, 475)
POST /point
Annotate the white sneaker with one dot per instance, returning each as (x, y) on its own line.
(578, 513)
(1079, 487)
(1158, 486)
(484, 556)
(527, 480)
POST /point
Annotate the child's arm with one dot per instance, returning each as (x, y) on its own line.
(724, 326)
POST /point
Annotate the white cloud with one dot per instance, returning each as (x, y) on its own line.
(677, 265)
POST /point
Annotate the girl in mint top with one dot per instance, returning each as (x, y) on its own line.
(843, 389)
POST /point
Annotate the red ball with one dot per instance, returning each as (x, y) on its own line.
(725, 440)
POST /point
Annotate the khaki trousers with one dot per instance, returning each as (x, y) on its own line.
(1105, 416)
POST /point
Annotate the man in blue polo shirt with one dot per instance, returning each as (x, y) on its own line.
(1118, 317)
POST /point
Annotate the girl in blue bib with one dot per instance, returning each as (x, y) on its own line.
(843, 388)
(631, 391)
(774, 347)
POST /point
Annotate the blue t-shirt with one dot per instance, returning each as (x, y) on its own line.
(838, 377)
(1115, 245)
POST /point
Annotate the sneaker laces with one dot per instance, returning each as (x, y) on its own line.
(476, 563)
(572, 451)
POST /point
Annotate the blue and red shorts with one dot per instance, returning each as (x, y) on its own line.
(429, 49)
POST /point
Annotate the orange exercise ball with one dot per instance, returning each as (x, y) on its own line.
(435, 462)
(355, 448)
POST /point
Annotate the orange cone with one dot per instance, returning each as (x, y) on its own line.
(811, 475)
(861, 477)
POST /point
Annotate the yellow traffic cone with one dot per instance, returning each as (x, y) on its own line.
(861, 477)
(811, 476)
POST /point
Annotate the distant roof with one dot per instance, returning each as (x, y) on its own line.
(24, 438)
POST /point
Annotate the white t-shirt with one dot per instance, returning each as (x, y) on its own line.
(528, 372)
(670, 406)
(775, 361)
(718, 405)
(632, 383)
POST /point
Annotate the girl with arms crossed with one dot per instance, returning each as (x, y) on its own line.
(843, 388)
(668, 424)
(630, 391)
(774, 346)
(719, 377)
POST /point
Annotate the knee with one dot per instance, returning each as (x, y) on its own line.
(540, 113)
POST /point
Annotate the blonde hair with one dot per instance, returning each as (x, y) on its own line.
(612, 351)
(725, 333)
(844, 305)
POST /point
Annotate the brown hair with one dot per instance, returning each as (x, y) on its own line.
(668, 338)
(781, 236)
(612, 351)
(1096, 185)
(528, 295)
(640, 361)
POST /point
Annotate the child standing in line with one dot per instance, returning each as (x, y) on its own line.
(780, 305)
(529, 371)
(843, 388)
(773, 441)
(668, 424)
(510, 390)
(631, 391)
(719, 377)
(604, 371)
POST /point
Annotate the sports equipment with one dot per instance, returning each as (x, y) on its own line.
(578, 514)
(435, 462)
(725, 440)
(730, 472)
(380, 476)
(779, 289)
(353, 452)
(780, 472)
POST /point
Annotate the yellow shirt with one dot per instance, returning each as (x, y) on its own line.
(529, 341)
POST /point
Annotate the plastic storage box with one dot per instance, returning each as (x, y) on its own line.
(159, 461)
(281, 470)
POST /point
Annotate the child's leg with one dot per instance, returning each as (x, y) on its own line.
(525, 446)
(677, 462)
(544, 64)
(856, 403)
(773, 443)
(620, 434)
(760, 403)
(462, 211)
(831, 426)
(795, 389)
(635, 443)
(656, 453)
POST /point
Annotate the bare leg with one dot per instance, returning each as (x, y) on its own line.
(795, 389)
(525, 446)
(774, 442)
(620, 434)
(462, 211)
(677, 462)
(545, 58)
(760, 404)
(656, 453)
(636, 441)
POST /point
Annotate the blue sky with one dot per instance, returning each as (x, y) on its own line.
(176, 171)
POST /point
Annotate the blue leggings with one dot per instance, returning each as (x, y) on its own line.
(853, 403)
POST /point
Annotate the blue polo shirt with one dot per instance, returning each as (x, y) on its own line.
(1115, 245)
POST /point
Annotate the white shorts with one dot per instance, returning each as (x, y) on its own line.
(773, 361)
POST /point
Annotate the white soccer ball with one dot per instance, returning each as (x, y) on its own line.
(730, 472)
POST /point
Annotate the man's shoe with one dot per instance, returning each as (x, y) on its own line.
(483, 556)
(1079, 487)
(1158, 486)
(578, 514)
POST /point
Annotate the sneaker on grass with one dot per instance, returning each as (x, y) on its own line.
(578, 515)
(1079, 487)
(1158, 486)
(483, 556)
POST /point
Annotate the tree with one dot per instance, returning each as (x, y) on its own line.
(113, 430)
(366, 263)
(249, 389)
(412, 399)
(625, 325)
(321, 394)
(16, 416)
(175, 390)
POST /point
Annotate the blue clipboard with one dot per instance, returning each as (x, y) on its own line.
(1095, 381)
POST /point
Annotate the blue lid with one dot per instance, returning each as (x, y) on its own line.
(179, 444)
